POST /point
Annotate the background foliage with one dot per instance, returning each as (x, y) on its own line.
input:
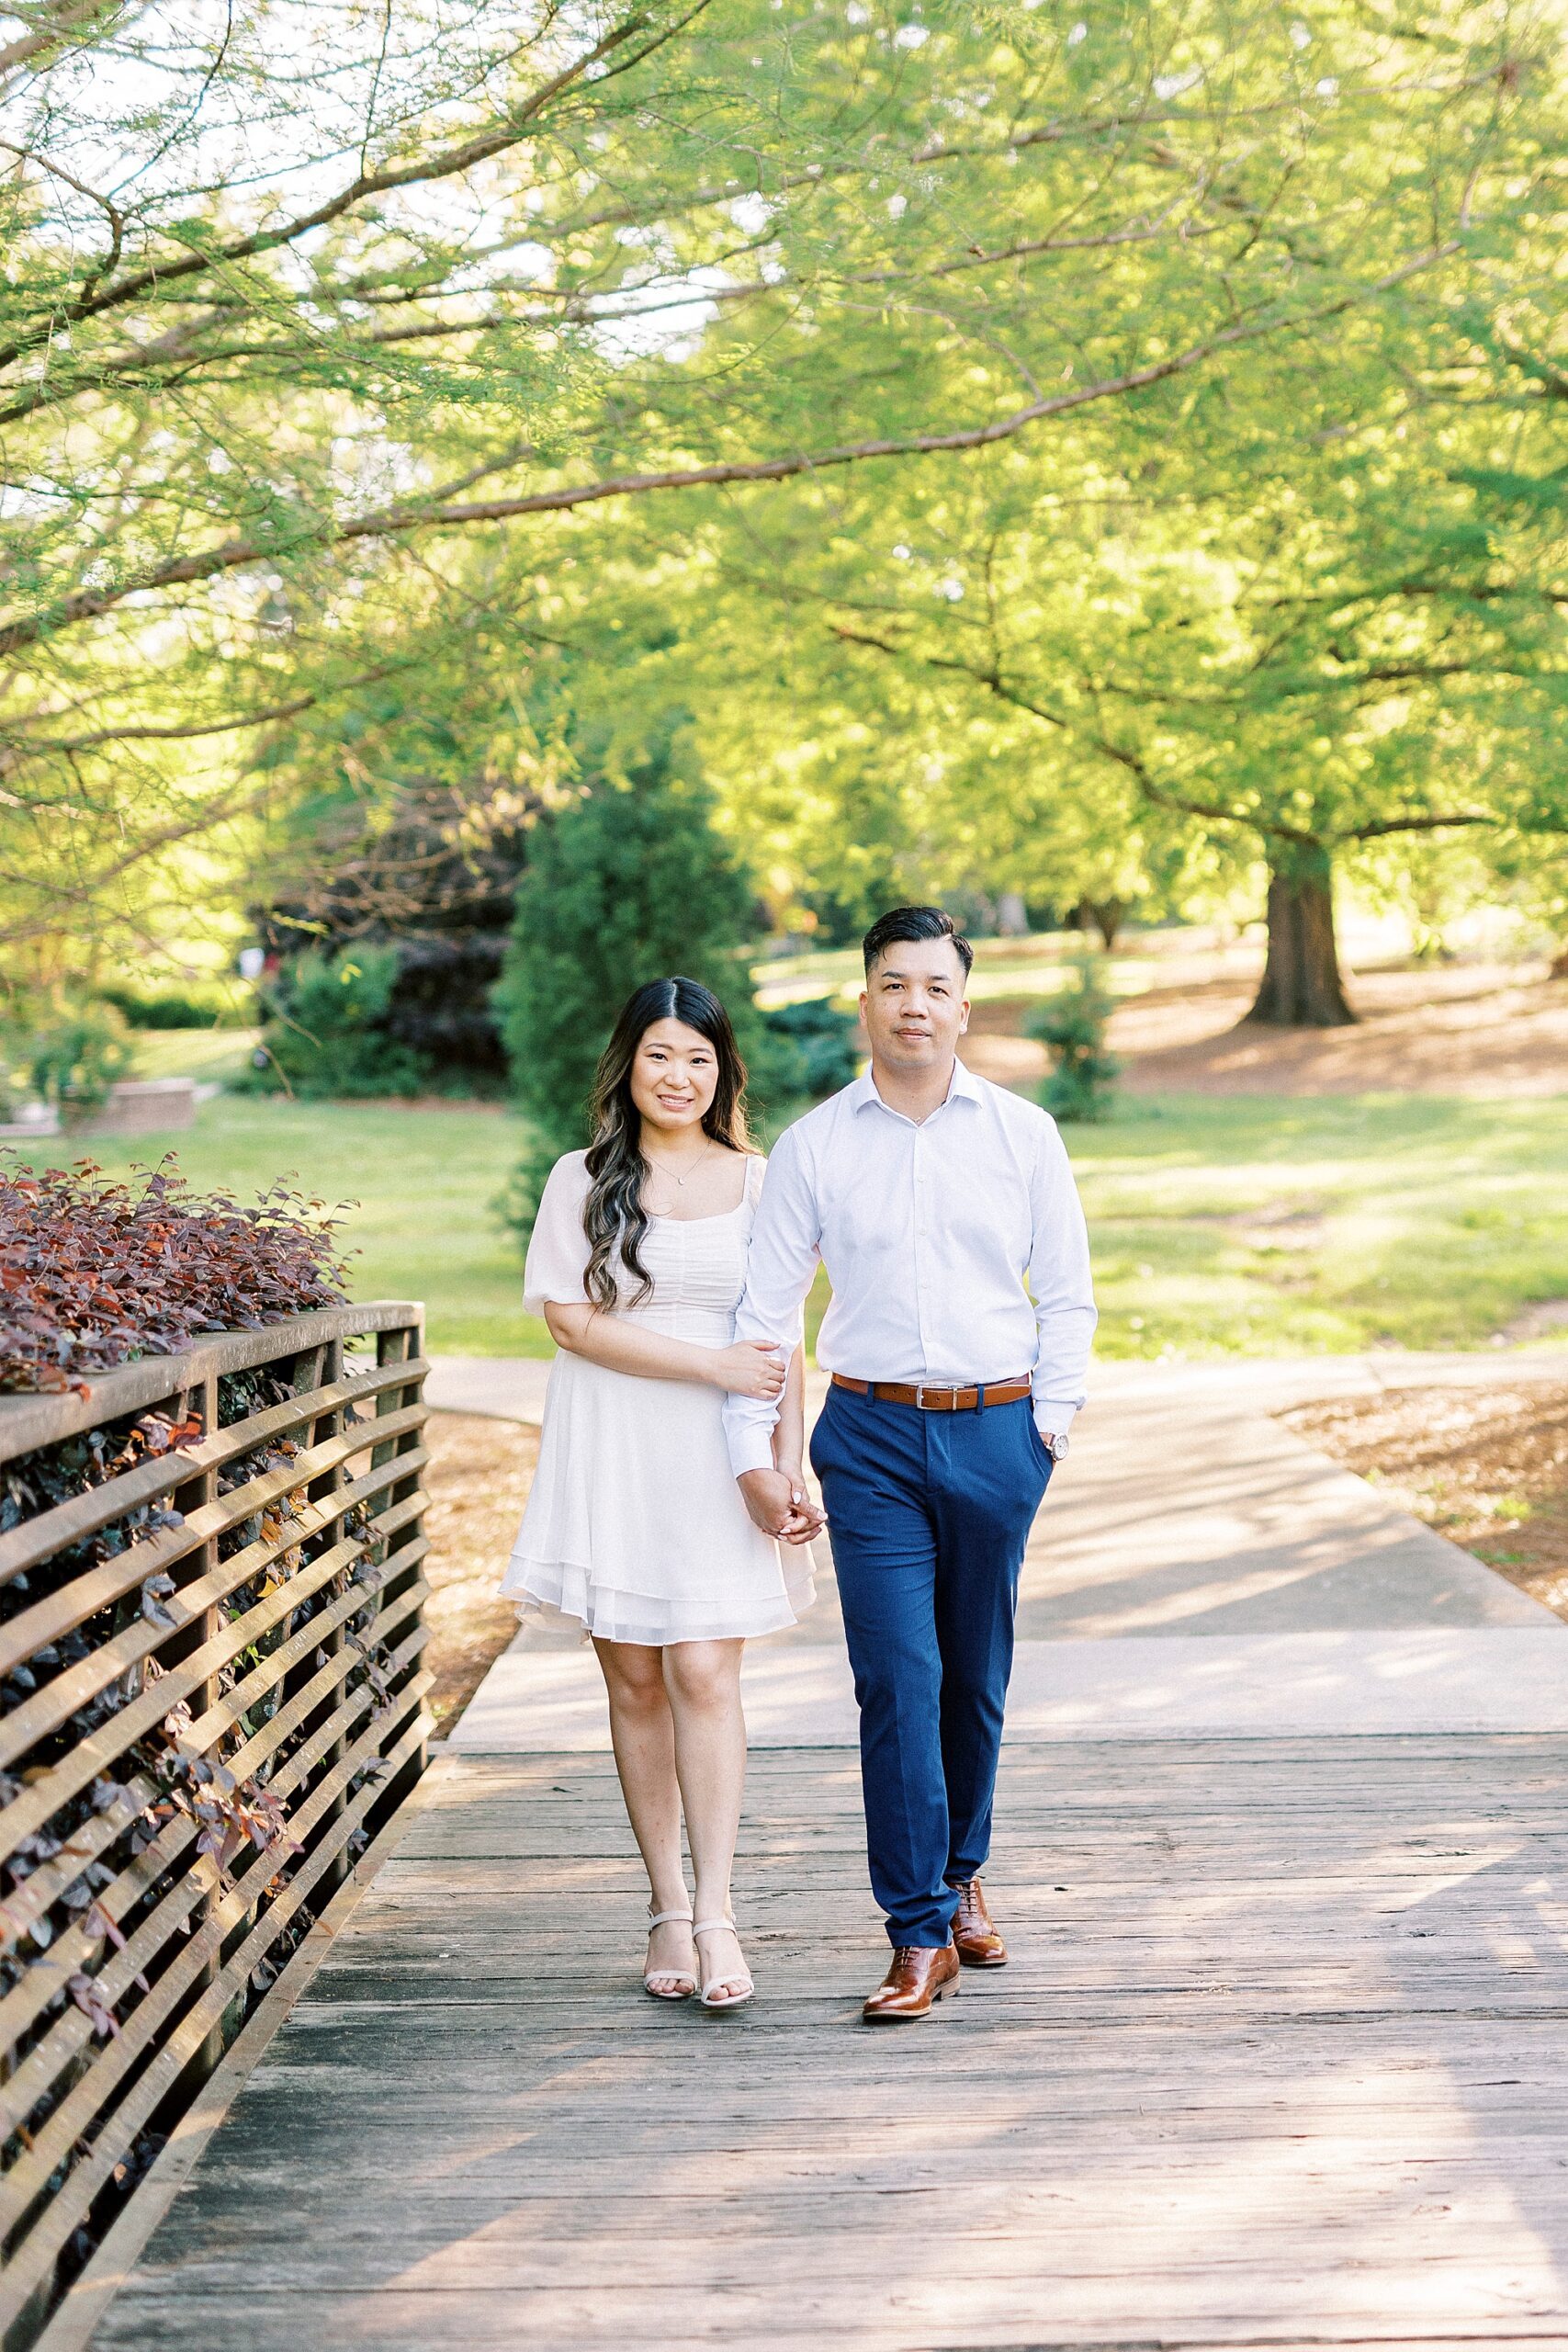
(626, 883)
(343, 380)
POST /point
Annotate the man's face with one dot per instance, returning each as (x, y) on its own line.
(914, 1007)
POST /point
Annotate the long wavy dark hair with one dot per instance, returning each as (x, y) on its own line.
(612, 1215)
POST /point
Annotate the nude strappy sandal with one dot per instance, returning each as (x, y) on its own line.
(685, 1983)
(736, 2000)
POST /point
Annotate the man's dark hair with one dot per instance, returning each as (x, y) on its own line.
(915, 923)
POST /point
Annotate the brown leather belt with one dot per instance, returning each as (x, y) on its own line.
(936, 1397)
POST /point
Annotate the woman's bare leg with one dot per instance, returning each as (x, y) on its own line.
(703, 1679)
(642, 1732)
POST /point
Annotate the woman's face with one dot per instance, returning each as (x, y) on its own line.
(674, 1077)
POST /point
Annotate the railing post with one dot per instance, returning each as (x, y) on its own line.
(334, 1642)
(196, 1567)
(400, 1347)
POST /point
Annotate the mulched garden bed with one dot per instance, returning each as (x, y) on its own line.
(477, 1481)
(1488, 1468)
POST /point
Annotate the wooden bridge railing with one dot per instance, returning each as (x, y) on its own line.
(212, 1687)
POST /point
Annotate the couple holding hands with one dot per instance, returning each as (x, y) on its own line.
(669, 1513)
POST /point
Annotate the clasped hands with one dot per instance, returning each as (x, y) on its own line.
(781, 1504)
(778, 1500)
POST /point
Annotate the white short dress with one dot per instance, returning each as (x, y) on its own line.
(635, 1525)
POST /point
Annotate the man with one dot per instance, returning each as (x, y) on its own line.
(929, 1196)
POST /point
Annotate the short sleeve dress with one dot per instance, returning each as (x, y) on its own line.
(635, 1525)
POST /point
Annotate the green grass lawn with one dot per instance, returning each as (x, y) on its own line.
(1251, 1225)
(202, 1054)
(1267, 1226)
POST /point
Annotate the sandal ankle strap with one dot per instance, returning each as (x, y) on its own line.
(663, 1918)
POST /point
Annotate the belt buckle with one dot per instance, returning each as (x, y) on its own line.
(947, 1388)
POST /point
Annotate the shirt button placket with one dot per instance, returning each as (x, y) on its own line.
(919, 1185)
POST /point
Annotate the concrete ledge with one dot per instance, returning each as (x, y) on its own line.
(138, 1106)
(499, 1388)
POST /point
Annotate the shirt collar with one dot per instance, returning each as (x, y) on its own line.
(965, 1087)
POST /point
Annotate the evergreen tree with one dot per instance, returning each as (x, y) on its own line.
(1073, 1025)
(630, 883)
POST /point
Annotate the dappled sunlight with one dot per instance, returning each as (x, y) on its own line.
(1183, 1508)
(1280, 2048)
(1258, 2064)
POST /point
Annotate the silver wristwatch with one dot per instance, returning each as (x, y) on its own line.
(1055, 1444)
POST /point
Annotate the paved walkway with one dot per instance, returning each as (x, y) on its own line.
(1196, 1570)
(1281, 1849)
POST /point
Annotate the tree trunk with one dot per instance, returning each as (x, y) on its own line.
(1104, 915)
(1107, 914)
(1302, 987)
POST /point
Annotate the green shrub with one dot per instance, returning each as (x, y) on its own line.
(324, 1035)
(630, 883)
(193, 1008)
(824, 1040)
(75, 1054)
(1072, 1026)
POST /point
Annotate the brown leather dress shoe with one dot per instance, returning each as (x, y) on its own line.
(919, 1974)
(973, 1932)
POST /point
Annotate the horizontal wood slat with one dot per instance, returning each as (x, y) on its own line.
(27, 1422)
(68, 2207)
(72, 1949)
(52, 1707)
(63, 1612)
(47, 2059)
(187, 1786)
(84, 1514)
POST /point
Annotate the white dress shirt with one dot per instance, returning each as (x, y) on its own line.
(928, 1232)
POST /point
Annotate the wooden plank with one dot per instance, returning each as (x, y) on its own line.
(1215, 2101)
(896, 2306)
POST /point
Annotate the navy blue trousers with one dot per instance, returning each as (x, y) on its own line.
(928, 1515)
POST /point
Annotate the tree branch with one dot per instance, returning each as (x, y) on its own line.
(934, 151)
(390, 522)
(22, 747)
(1385, 825)
(64, 21)
(90, 888)
(478, 150)
(1121, 755)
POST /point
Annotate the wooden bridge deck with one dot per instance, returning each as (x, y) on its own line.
(1281, 2061)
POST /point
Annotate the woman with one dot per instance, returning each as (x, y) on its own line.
(635, 1525)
